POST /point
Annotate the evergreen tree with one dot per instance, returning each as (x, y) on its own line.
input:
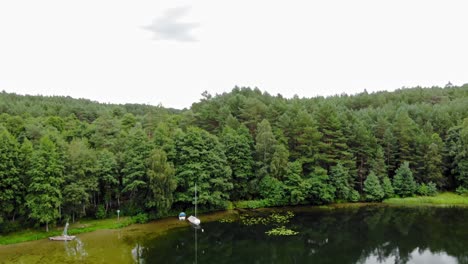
(387, 187)
(461, 158)
(404, 131)
(433, 161)
(403, 182)
(10, 180)
(321, 190)
(106, 172)
(372, 188)
(340, 179)
(377, 164)
(134, 181)
(46, 174)
(279, 162)
(296, 187)
(332, 146)
(303, 140)
(80, 179)
(265, 143)
(201, 160)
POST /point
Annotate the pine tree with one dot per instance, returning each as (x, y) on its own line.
(372, 188)
(321, 189)
(46, 174)
(106, 172)
(201, 160)
(135, 167)
(433, 161)
(387, 187)
(81, 182)
(403, 182)
(340, 179)
(265, 143)
(332, 146)
(10, 181)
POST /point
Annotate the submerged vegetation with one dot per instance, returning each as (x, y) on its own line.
(66, 159)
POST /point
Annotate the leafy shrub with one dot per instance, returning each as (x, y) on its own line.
(462, 190)
(354, 196)
(140, 218)
(429, 189)
(100, 212)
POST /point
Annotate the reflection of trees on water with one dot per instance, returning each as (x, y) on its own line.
(358, 235)
(76, 249)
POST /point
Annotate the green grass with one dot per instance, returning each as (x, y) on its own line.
(440, 199)
(83, 226)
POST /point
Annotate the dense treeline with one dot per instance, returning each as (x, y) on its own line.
(62, 158)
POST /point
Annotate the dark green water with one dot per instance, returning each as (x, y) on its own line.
(361, 235)
(369, 234)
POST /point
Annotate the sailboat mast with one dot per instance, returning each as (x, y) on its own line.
(195, 199)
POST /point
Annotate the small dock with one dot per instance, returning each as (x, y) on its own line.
(62, 238)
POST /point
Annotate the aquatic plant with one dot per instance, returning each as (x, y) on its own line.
(226, 220)
(281, 231)
(274, 218)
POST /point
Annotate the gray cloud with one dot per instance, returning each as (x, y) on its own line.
(168, 26)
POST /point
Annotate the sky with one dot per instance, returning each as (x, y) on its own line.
(169, 52)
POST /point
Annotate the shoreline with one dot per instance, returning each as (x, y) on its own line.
(86, 226)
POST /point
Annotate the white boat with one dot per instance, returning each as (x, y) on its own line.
(193, 219)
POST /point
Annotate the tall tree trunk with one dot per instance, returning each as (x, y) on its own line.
(47, 226)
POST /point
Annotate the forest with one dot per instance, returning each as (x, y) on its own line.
(63, 159)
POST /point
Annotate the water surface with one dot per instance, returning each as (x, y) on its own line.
(366, 234)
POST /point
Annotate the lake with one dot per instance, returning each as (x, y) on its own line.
(358, 234)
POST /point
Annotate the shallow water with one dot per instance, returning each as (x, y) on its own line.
(368, 234)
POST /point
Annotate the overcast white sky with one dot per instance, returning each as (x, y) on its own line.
(171, 51)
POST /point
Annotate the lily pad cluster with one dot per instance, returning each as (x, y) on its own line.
(281, 231)
(274, 218)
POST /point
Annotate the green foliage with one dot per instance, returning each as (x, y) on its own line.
(200, 160)
(403, 182)
(373, 189)
(238, 146)
(252, 204)
(321, 190)
(11, 184)
(264, 147)
(161, 182)
(429, 189)
(271, 150)
(273, 190)
(281, 231)
(140, 218)
(340, 179)
(46, 176)
(100, 212)
(387, 188)
(439, 199)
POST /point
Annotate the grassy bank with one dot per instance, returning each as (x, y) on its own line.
(82, 226)
(440, 199)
